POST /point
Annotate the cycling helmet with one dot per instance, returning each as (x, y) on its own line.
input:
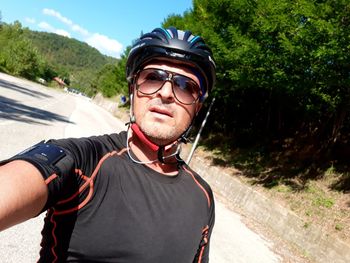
(170, 44)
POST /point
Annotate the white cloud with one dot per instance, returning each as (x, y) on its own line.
(51, 12)
(101, 42)
(105, 45)
(80, 30)
(46, 26)
(30, 20)
(62, 33)
(67, 21)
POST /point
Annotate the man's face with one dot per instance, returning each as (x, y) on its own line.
(160, 116)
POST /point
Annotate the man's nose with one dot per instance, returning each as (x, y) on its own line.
(166, 92)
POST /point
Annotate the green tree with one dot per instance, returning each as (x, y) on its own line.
(22, 59)
(121, 82)
(70, 59)
(17, 55)
(282, 67)
(106, 82)
(111, 79)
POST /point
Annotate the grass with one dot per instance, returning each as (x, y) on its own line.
(339, 227)
(317, 203)
(317, 193)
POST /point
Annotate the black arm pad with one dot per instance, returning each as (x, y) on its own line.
(49, 159)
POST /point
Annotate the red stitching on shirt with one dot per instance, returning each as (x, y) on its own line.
(88, 182)
(80, 172)
(205, 232)
(50, 178)
(82, 204)
(54, 238)
(200, 186)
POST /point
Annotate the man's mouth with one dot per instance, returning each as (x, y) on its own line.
(161, 110)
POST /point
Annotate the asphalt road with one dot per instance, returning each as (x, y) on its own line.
(30, 113)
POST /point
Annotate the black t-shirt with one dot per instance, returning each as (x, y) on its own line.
(109, 209)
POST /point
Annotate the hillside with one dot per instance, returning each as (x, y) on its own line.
(73, 59)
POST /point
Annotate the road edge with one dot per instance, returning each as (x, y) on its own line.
(312, 241)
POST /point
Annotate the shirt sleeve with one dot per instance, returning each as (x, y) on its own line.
(82, 156)
(60, 163)
(202, 255)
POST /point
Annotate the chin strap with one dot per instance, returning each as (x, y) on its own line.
(143, 138)
(160, 154)
(154, 147)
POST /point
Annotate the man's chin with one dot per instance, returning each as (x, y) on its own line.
(159, 134)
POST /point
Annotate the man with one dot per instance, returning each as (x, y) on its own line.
(125, 197)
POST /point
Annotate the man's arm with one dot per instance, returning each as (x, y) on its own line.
(23, 193)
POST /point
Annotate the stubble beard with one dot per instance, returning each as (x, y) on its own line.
(158, 133)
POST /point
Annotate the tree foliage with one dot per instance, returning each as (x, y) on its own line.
(17, 55)
(110, 80)
(73, 60)
(33, 55)
(282, 67)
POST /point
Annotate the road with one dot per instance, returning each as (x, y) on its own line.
(30, 113)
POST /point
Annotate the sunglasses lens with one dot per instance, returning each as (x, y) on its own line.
(186, 90)
(150, 80)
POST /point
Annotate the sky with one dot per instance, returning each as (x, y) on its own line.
(108, 25)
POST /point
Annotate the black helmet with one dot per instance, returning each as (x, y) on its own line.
(173, 44)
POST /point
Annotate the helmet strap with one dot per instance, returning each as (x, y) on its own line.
(161, 150)
(135, 128)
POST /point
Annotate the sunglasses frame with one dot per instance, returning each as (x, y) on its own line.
(170, 78)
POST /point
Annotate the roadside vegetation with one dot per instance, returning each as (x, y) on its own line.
(282, 110)
(44, 56)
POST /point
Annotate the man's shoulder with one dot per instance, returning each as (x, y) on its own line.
(200, 180)
(108, 142)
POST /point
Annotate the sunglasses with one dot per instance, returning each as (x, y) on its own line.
(151, 80)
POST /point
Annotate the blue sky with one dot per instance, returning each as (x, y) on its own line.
(108, 25)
